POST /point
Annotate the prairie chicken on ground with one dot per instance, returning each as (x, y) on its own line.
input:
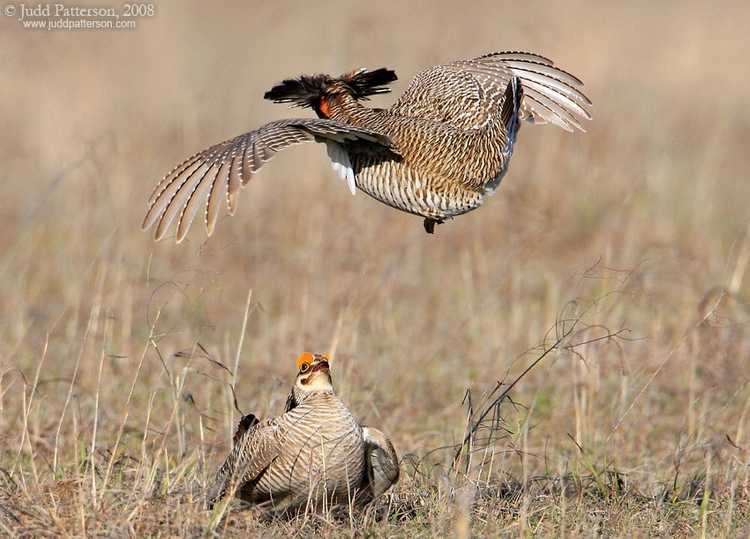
(315, 455)
(437, 152)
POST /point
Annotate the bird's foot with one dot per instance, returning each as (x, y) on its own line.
(429, 224)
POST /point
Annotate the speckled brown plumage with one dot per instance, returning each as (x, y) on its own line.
(437, 152)
(315, 455)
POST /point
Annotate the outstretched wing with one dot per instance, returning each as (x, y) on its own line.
(464, 92)
(222, 169)
(382, 464)
(251, 456)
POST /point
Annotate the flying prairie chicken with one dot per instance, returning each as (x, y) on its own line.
(437, 152)
(315, 455)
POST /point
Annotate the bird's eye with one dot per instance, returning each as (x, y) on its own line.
(304, 368)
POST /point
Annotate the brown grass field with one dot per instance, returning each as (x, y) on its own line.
(623, 252)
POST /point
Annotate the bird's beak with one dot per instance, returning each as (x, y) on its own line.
(321, 366)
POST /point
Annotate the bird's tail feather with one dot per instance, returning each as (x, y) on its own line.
(510, 112)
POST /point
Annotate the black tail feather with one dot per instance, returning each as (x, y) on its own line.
(511, 106)
(246, 423)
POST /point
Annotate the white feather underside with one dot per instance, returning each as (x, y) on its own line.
(341, 164)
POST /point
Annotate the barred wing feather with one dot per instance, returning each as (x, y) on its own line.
(221, 170)
(463, 92)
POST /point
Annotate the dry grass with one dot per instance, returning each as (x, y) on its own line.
(112, 417)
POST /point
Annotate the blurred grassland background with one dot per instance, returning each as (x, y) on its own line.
(112, 417)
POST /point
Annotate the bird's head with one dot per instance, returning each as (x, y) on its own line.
(313, 375)
(322, 92)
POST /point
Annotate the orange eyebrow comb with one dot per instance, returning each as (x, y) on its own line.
(304, 357)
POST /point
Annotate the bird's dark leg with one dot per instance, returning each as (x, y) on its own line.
(429, 224)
